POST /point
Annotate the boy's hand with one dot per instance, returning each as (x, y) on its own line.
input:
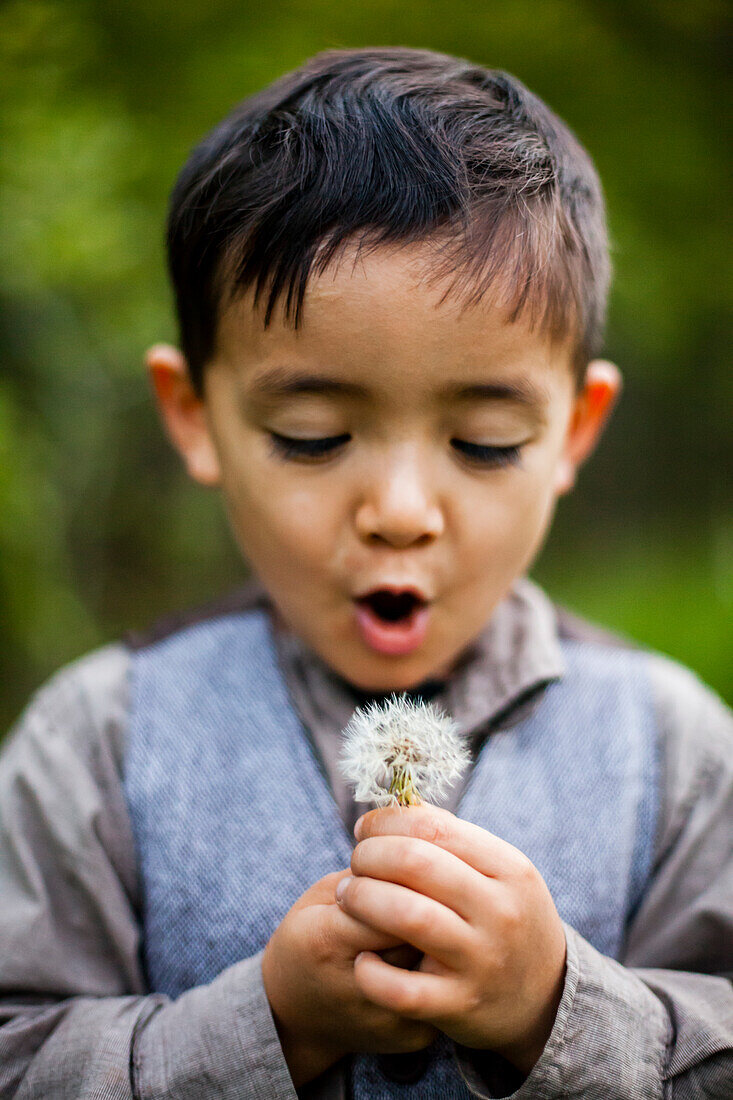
(493, 942)
(308, 973)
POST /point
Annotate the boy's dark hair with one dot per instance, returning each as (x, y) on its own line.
(386, 146)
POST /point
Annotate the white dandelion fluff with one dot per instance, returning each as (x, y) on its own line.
(399, 752)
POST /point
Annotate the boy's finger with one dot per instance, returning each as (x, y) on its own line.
(413, 918)
(484, 851)
(409, 993)
(350, 931)
(322, 892)
(357, 935)
(426, 868)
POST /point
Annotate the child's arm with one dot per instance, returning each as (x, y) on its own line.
(619, 1031)
(76, 1018)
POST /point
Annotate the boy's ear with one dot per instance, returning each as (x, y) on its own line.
(591, 409)
(183, 413)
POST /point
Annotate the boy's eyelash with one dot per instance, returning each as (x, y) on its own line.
(306, 448)
(489, 456)
(288, 447)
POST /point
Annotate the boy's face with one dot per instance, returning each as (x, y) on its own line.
(406, 498)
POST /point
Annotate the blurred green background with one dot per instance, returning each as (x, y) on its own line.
(101, 103)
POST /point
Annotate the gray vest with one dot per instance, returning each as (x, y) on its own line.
(234, 819)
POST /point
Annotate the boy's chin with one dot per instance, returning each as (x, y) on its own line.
(365, 675)
(382, 683)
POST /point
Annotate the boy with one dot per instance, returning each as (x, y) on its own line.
(390, 270)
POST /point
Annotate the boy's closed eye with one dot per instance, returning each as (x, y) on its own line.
(475, 453)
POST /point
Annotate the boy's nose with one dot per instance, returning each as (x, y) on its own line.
(400, 505)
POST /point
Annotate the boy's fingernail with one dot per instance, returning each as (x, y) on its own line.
(359, 827)
(341, 888)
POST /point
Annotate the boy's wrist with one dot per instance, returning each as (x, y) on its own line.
(525, 1055)
(305, 1057)
(525, 1050)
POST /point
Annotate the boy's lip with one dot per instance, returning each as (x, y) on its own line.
(396, 588)
(396, 638)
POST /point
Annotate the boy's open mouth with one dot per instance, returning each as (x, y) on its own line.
(392, 622)
(391, 606)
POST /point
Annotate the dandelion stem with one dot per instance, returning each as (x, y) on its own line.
(403, 787)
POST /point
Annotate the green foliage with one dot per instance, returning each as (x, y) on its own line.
(100, 104)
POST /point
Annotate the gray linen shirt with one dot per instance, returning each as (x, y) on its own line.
(77, 1019)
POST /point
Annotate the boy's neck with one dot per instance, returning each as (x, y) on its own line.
(427, 690)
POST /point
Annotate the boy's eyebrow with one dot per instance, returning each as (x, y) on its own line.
(521, 391)
(281, 382)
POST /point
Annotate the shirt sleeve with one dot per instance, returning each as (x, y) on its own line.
(659, 1023)
(76, 1018)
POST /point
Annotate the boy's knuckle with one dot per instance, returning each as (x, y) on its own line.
(415, 860)
(510, 915)
(406, 1000)
(472, 999)
(418, 919)
(498, 962)
(524, 871)
(430, 827)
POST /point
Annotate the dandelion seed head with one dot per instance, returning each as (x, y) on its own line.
(397, 742)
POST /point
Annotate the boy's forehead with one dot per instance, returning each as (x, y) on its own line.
(382, 317)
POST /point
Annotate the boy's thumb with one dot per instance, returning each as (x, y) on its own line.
(322, 892)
